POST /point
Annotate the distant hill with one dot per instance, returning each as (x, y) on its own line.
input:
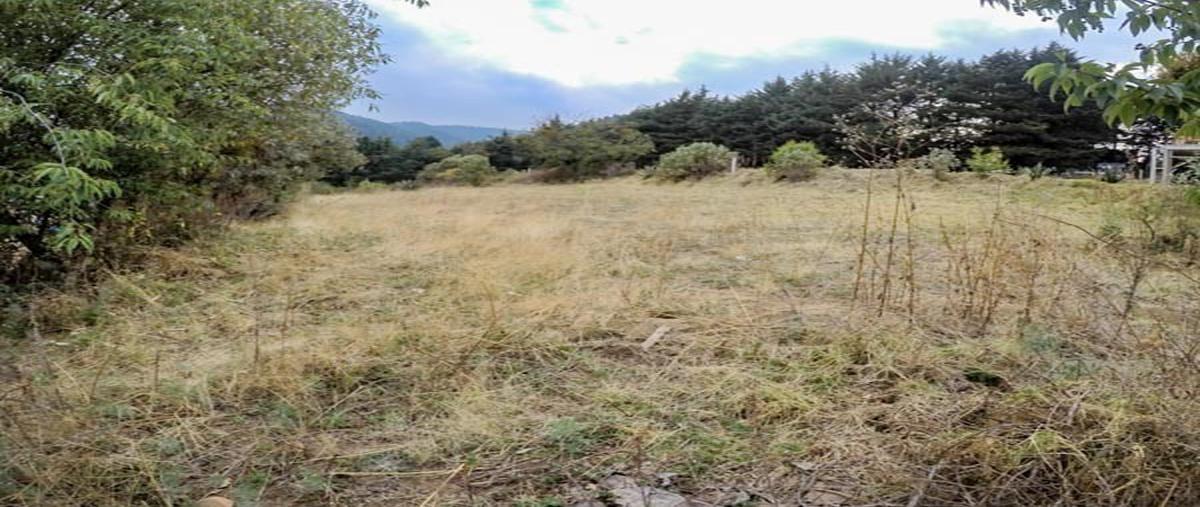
(405, 131)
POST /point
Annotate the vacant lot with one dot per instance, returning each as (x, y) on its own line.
(981, 341)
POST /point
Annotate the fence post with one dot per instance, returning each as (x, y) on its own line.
(733, 165)
(1154, 165)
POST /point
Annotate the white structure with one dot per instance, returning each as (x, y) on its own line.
(1166, 159)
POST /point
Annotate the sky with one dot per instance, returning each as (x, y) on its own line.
(512, 63)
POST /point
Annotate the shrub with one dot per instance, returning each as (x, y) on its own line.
(940, 161)
(985, 162)
(140, 123)
(474, 170)
(1190, 175)
(695, 160)
(1170, 220)
(1038, 171)
(796, 161)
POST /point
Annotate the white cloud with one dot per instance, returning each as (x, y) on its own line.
(612, 42)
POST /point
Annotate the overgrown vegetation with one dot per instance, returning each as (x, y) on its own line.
(129, 123)
(869, 337)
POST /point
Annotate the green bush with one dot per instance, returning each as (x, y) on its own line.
(695, 160)
(581, 151)
(986, 162)
(139, 123)
(796, 161)
(474, 170)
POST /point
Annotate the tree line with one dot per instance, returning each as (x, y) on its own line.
(887, 109)
(892, 108)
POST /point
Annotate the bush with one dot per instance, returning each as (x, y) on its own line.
(1038, 171)
(695, 160)
(940, 161)
(591, 149)
(474, 170)
(1190, 175)
(140, 123)
(796, 161)
(990, 161)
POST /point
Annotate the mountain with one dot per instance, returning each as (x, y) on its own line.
(405, 131)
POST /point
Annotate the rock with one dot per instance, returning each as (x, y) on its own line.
(215, 501)
(647, 497)
(625, 492)
(618, 481)
(665, 479)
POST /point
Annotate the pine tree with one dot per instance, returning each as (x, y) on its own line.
(1025, 124)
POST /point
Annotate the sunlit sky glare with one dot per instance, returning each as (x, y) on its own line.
(510, 63)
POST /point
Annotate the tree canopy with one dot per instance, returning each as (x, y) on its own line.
(388, 163)
(587, 149)
(1134, 91)
(890, 108)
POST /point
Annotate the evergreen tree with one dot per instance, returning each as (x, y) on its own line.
(505, 152)
(890, 108)
(388, 163)
(585, 150)
(1025, 124)
(675, 122)
(899, 111)
(816, 100)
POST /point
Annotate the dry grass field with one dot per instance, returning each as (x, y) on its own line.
(989, 341)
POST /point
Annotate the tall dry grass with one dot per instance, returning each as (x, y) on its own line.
(975, 342)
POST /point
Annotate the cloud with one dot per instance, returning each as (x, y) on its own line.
(579, 43)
